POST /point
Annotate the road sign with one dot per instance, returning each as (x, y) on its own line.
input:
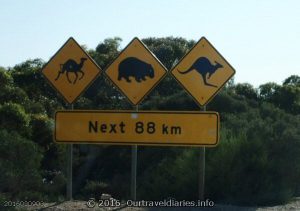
(137, 128)
(71, 70)
(203, 71)
(136, 71)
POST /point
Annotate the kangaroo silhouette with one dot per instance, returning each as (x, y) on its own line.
(71, 66)
(136, 68)
(203, 66)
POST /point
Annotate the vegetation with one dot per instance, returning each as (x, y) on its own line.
(256, 162)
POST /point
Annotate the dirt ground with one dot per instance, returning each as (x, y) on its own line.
(82, 206)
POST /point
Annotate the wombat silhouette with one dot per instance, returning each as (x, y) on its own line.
(136, 68)
(71, 66)
(203, 66)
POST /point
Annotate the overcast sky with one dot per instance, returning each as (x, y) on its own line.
(260, 39)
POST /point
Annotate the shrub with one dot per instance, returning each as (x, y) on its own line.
(95, 189)
(19, 165)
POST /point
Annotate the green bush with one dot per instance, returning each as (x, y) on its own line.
(257, 161)
(174, 176)
(54, 185)
(95, 189)
(14, 117)
(19, 165)
(11, 94)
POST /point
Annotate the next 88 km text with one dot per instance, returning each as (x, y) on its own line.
(140, 128)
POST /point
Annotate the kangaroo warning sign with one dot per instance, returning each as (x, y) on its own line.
(136, 71)
(71, 70)
(203, 71)
(137, 128)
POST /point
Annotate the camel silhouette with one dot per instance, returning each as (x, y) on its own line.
(71, 66)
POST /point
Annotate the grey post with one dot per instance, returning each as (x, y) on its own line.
(202, 169)
(70, 168)
(133, 168)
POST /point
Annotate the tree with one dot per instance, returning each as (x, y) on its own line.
(12, 94)
(246, 90)
(169, 50)
(27, 76)
(5, 77)
(14, 117)
(106, 51)
(269, 92)
(293, 80)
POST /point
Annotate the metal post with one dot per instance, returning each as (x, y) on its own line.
(70, 168)
(202, 169)
(133, 168)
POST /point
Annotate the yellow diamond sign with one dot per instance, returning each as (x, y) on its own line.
(203, 71)
(71, 70)
(136, 71)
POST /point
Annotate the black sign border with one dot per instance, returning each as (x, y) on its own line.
(216, 92)
(87, 86)
(151, 53)
(140, 143)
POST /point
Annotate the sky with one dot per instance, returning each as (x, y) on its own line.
(259, 38)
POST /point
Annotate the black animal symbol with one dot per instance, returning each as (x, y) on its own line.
(136, 68)
(71, 66)
(203, 66)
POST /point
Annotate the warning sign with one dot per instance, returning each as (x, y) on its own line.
(136, 71)
(203, 71)
(71, 70)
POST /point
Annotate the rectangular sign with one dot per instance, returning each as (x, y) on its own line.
(137, 128)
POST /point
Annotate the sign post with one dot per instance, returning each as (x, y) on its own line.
(135, 72)
(134, 167)
(202, 169)
(133, 171)
(69, 171)
(201, 172)
(70, 71)
(70, 168)
(202, 72)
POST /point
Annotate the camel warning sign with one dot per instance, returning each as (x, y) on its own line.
(136, 71)
(137, 128)
(71, 70)
(203, 71)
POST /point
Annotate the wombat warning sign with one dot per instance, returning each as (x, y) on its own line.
(136, 71)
